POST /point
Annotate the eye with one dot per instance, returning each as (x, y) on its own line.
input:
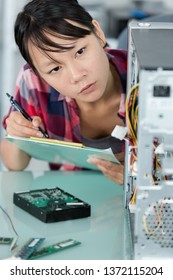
(55, 70)
(81, 51)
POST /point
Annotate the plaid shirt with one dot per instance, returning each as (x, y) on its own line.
(59, 113)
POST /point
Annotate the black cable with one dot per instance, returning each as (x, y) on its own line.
(9, 220)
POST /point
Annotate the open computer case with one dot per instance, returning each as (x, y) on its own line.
(148, 189)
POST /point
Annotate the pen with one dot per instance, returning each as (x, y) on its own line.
(16, 105)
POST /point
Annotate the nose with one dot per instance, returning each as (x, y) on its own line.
(76, 72)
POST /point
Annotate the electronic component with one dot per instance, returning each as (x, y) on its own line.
(28, 248)
(149, 151)
(6, 240)
(54, 248)
(161, 91)
(14, 243)
(52, 205)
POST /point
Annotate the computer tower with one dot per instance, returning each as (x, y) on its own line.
(148, 188)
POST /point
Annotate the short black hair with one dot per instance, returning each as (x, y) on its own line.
(39, 17)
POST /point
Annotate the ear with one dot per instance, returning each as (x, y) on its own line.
(99, 32)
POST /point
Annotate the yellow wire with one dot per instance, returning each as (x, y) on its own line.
(133, 116)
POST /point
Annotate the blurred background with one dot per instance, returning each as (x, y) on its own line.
(113, 16)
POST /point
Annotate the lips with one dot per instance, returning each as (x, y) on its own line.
(87, 88)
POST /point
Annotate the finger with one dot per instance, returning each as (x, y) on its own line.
(115, 173)
(116, 178)
(97, 161)
(17, 125)
(36, 121)
(109, 165)
(22, 131)
(16, 120)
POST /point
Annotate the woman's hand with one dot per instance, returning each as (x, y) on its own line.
(113, 171)
(18, 125)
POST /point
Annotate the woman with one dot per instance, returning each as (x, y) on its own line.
(72, 86)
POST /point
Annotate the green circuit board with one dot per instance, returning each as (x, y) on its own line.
(54, 248)
(6, 240)
(52, 205)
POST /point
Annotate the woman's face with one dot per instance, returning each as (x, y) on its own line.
(81, 73)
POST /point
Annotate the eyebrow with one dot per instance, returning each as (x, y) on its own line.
(49, 63)
(52, 61)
